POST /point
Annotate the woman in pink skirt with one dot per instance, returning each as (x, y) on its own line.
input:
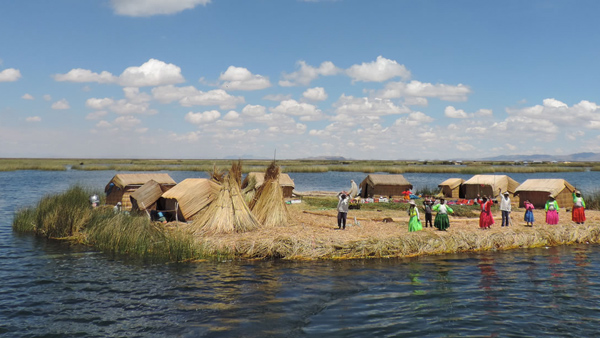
(551, 211)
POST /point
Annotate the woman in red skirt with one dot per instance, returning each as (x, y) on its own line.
(485, 218)
(578, 208)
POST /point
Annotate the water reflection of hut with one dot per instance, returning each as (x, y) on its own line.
(185, 200)
(537, 191)
(258, 179)
(488, 185)
(384, 185)
(452, 188)
(146, 196)
(121, 186)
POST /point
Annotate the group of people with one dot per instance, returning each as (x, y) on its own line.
(486, 219)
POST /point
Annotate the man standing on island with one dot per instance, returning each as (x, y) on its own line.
(505, 207)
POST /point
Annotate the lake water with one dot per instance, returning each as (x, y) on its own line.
(53, 289)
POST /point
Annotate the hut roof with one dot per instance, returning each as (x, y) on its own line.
(193, 194)
(452, 183)
(551, 185)
(123, 180)
(382, 179)
(147, 194)
(284, 179)
(496, 181)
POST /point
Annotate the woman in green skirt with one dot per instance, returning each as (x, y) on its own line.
(441, 218)
(414, 223)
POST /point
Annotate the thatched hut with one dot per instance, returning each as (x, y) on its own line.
(185, 200)
(121, 186)
(488, 185)
(384, 185)
(258, 178)
(268, 204)
(452, 188)
(146, 196)
(537, 190)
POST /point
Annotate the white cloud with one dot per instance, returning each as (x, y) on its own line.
(152, 73)
(553, 103)
(204, 117)
(307, 73)
(61, 104)
(33, 119)
(583, 114)
(103, 124)
(27, 97)
(254, 110)
(420, 89)
(142, 8)
(85, 75)
(315, 94)
(10, 75)
(277, 97)
(454, 113)
(127, 122)
(95, 103)
(363, 106)
(307, 112)
(190, 96)
(379, 70)
(231, 115)
(239, 78)
(96, 115)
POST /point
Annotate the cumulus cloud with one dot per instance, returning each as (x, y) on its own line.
(61, 104)
(204, 117)
(419, 89)
(254, 110)
(27, 97)
(144, 8)
(315, 94)
(135, 103)
(239, 78)
(379, 70)
(190, 96)
(10, 75)
(85, 75)
(307, 73)
(33, 119)
(96, 115)
(277, 97)
(585, 113)
(306, 112)
(364, 106)
(127, 122)
(454, 113)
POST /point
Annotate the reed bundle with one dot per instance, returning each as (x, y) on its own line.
(228, 212)
(268, 205)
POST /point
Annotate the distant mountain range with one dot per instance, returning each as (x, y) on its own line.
(579, 157)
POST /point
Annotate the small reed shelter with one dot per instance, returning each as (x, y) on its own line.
(384, 185)
(121, 186)
(537, 191)
(147, 195)
(452, 188)
(184, 201)
(285, 181)
(488, 185)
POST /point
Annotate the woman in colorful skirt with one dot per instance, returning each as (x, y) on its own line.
(551, 211)
(578, 208)
(442, 222)
(414, 223)
(528, 212)
(486, 219)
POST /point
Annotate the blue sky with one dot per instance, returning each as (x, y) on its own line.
(360, 79)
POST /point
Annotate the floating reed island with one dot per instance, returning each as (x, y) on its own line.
(258, 224)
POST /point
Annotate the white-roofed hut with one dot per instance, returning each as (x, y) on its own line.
(488, 185)
(384, 185)
(537, 191)
(121, 186)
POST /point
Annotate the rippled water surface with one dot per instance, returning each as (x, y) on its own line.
(52, 289)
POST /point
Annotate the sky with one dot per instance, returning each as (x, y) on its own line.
(387, 79)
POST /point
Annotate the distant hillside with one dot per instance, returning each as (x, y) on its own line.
(579, 157)
(326, 158)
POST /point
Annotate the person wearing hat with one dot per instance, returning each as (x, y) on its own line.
(505, 208)
(486, 219)
(442, 222)
(551, 208)
(342, 209)
(578, 215)
(528, 218)
(414, 223)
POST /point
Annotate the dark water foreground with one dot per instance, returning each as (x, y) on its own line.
(53, 289)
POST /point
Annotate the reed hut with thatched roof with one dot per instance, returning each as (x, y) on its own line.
(147, 195)
(121, 186)
(184, 201)
(488, 185)
(537, 191)
(254, 180)
(452, 188)
(384, 185)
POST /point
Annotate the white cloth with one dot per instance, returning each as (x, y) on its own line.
(343, 204)
(505, 203)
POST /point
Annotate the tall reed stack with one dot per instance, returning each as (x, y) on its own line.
(268, 205)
